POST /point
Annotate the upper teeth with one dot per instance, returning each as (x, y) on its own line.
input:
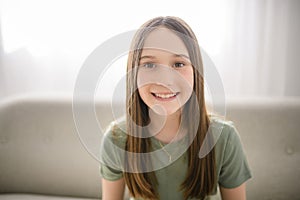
(165, 96)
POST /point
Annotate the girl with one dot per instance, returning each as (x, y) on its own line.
(155, 150)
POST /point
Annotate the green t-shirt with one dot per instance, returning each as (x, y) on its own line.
(231, 164)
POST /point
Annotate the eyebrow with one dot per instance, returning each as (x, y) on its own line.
(175, 55)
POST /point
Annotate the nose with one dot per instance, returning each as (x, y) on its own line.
(163, 75)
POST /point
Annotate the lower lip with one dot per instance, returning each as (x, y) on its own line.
(165, 99)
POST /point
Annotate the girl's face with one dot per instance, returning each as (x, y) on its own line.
(165, 74)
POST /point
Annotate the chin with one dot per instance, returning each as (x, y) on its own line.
(166, 111)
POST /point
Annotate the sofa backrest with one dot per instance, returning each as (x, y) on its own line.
(270, 132)
(40, 150)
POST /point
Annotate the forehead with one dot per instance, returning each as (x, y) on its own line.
(166, 40)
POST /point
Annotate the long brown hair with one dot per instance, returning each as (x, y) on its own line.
(201, 175)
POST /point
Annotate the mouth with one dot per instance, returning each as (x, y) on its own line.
(165, 96)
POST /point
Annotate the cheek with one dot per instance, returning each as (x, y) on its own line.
(188, 76)
(144, 92)
(141, 87)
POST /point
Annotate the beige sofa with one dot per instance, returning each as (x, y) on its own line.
(42, 158)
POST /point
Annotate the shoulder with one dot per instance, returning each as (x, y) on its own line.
(231, 161)
(224, 126)
(227, 140)
(116, 132)
(112, 151)
(224, 132)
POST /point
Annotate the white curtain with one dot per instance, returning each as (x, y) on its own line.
(254, 44)
(262, 57)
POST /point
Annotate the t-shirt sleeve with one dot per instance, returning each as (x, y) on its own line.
(110, 155)
(109, 173)
(235, 168)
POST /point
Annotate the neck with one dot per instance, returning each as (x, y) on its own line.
(165, 127)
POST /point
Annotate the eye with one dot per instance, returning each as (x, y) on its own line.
(148, 65)
(179, 64)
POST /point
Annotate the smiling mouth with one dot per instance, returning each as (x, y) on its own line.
(165, 96)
